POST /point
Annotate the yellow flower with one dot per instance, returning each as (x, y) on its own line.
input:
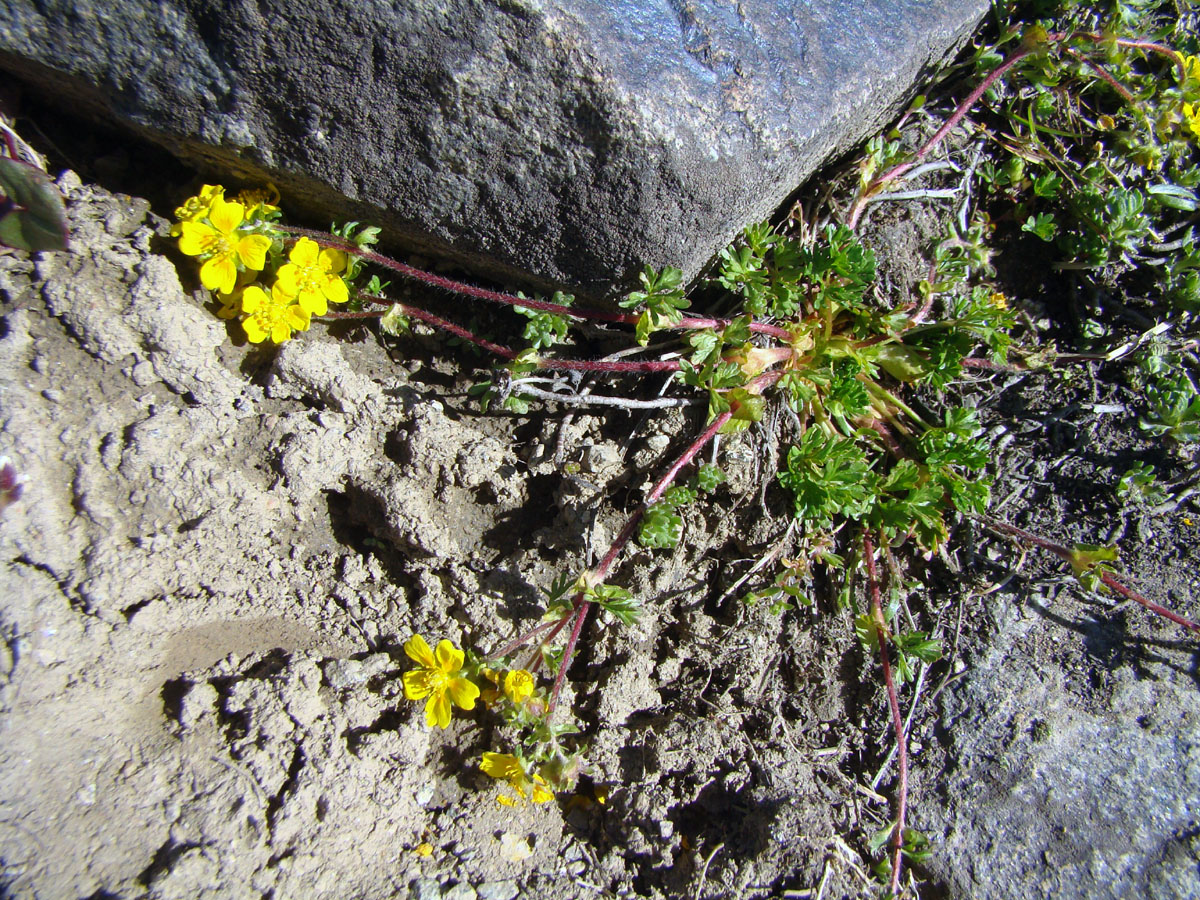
(275, 315)
(1192, 115)
(438, 679)
(196, 208)
(518, 685)
(218, 240)
(312, 275)
(506, 767)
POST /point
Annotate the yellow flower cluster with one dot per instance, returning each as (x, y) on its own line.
(441, 680)
(236, 241)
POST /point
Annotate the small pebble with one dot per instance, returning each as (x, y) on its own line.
(459, 892)
(143, 374)
(424, 889)
(497, 890)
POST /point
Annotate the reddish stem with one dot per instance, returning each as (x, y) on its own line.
(615, 365)
(1110, 581)
(1103, 73)
(429, 318)
(580, 613)
(963, 108)
(955, 117)
(598, 574)
(524, 639)
(458, 287)
(894, 704)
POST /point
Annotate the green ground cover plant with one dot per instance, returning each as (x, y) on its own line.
(1082, 130)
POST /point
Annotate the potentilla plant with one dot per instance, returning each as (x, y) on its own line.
(867, 465)
(869, 472)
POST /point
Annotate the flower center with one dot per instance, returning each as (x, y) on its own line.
(217, 245)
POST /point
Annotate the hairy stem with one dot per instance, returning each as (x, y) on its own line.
(598, 574)
(415, 312)
(1066, 554)
(600, 365)
(458, 287)
(882, 637)
(957, 116)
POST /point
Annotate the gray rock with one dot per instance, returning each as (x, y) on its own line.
(1065, 789)
(567, 141)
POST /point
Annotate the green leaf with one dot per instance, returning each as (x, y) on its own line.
(679, 495)
(747, 409)
(661, 527)
(615, 600)
(1090, 561)
(1174, 197)
(1042, 225)
(828, 477)
(901, 362)
(1139, 484)
(708, 477)
(866, 632)
(920, 645)
(32, 215)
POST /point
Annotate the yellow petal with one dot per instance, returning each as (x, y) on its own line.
(542, 794)
(226, 215)
(313, 302)
(254, 298)
(219, 274)
(195, 238)
(305, 252)
(297, 318)
(254, 331)
(288, 278)
(449, 658)
(280, 332)
(505, 800)
(463, 693)
(501, 765)
(335, 290)
(252, 250)
(518, 685)
(437, 711)
(419, 651)
(332, 260)
(416, 684)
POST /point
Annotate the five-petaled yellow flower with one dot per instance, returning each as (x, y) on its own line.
(275, 315)
(507, 767)
(438, 679)
(312, 275)
(224, 247)
(518, 686)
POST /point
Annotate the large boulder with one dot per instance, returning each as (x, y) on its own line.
(563, 141)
